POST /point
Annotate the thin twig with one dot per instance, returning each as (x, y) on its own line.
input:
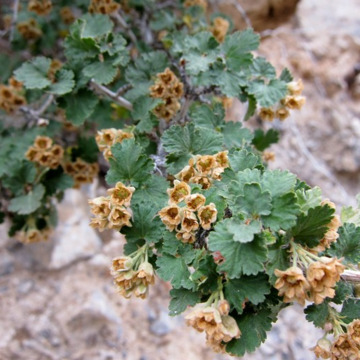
(118, 99)
(120, 20)
(123, 89)
(242, 11)
(34, 116)
(14, 20)
(351, 276)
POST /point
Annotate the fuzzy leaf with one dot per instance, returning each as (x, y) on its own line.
(33, 74)
(254, 201)
(146, 225)
(317, 314)
(26, 204)
(179, 276)
(129, 164)
(311, 228)
(252, 288)
(243, 232)
(235, 135)
(278, 182)
(268, 94)
(263, 140)
(102, 72)
(262, 68)
(64, 82)
(242, 159)
(181, 299)
(79, 106)
(207, 117)
(308, 198)
(95, 26)
(240, 258)
(351, 310)
(347, 246)
(142, 113)
(253, 327)
(286, 75)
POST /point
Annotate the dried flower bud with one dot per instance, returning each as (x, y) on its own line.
(120, 194)
(267, 114)
(207, 215)
(322, 349)
(294, 102)
(179, 192)
(295, 87)
(282, 113)
(195, 201)
(344, 348)
(170, 216)
(189, 221)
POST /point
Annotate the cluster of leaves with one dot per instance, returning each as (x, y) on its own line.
(108, 66)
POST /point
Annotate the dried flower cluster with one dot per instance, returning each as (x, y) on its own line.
(106, 138)
(112, 211)
(45, 153)
(67, 16)
(220, 28)
(133, 274)
(292, 101)
(201, 3)
(81, 171)
(168, 88)
(103, 6)
(204, 169)
(346, 346)
(30, 235)
(10, 96)
(40, 7)
(29, 29)
(187, 212)
(214, 319)
(321, 278)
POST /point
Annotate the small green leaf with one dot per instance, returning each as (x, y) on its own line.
(142, 113)
(254, 327)
(102, 72)
(237, 47)
(179, 276)
(252, 104)
(278, 182)
(262, 68)
(33, 74)
(317, 314)
(95, 26)
(311, 228)
(243, 232)
(268, 94)
(208, 117)
(57, 180)
(286, 75)
(79, 106)
(64, 82)
(181, 299)
(350, 214)
(347, 246)
(254, 201)
(129, 164)
(243, 159)
(343, 291)
(263, 140)
(146, 225)
(351, 310)
(278, 257)
(235, 135)
(308, 198)
(252, 288)
(26, 204)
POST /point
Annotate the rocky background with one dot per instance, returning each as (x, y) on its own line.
(57, 301)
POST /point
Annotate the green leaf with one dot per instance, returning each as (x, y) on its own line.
(240, 258)
(230, 83)
(33, 74)
(263, 140)
(254, 202)
(208, 117)
(278, 259)
(252, 288)
(86, 149)
(252, 104)
(95, 26)
(146, 225)
(262, 68)
(286, 75)
(343, 291)
(79, 106)
(179, 276)
(153, 191)
(243, 232)
(278, 182)
(181, 299)
(237, 47)
(253, 327)
(308, 198)
(102, 72)
(142, 113)
(205, 274)
(129, 164)
(235, 135)
(243, 159)
(57, 180)
(347, 246)
(284, 213)
(64, 82)
(311, 228)
(351, 310)
(350, 214)
(26, 204)
(317, 314)
(268, 94)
